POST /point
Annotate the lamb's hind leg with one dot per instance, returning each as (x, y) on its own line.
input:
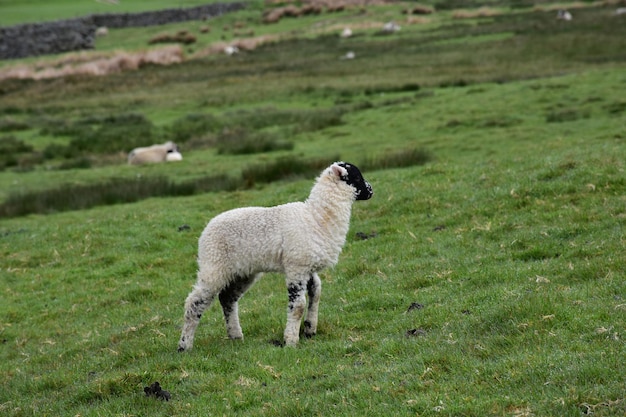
(229, 298)
(314, 291)
(198, 300)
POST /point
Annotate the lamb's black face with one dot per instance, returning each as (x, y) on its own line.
(355, 179)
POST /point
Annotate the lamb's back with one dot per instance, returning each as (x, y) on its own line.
(252, 239)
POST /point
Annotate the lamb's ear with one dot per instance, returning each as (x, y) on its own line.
(339, 171)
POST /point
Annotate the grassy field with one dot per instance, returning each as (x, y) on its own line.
(493, 278)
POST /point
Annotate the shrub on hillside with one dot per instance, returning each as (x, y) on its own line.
(397, 159)
(566, 115)
(303, 120)
(404, 88)
(8, 124)
(113, 191)
(193, 126)
(76, 163)
(55, 127)
(10, 150)
(57, 151)
(240, 141)
(283, 168)
(93, 135)
(115, 133)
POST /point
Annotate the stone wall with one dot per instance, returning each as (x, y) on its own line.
(77, 34)
(162, 17)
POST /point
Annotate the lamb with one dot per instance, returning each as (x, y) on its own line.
(298, 239)
(152, 154)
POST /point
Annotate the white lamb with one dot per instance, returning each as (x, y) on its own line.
(153, 154)
(298, 239)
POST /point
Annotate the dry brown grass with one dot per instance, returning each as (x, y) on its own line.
(559, 6)
(244, 44)
(98, 63)
(93, 63)
(419, 9)
(472, 14)
(273, 15)
(578, 5)
(182, 36)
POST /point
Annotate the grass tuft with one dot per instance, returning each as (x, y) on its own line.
(123, 190)
(240, 141)
(284, 168)
(114, 191)
(566, 115)
(11, 150)
(397, 159)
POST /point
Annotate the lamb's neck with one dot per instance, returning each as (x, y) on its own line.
(332, 214)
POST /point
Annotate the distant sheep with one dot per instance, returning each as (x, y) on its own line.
(346, 33)
(391, 27)
(297, 239)
(564, 15)
(349, 55)
(154, 154)
(102, 31)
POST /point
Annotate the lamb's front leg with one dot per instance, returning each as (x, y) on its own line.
(314, 291)
(295, 310)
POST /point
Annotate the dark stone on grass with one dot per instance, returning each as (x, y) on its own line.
(155, 390)
(34, 39)
(415, 306)
(438, 228)
(415, 332)
(10, 232)
(277, 343)
(365, 236)
(183, 227)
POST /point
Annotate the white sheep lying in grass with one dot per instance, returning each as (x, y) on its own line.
(298, 239)
(154, 153)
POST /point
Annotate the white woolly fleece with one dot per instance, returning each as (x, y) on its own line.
(297, 239)
(294, 238)
(151, 154)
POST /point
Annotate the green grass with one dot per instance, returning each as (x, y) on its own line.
(506, 223)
